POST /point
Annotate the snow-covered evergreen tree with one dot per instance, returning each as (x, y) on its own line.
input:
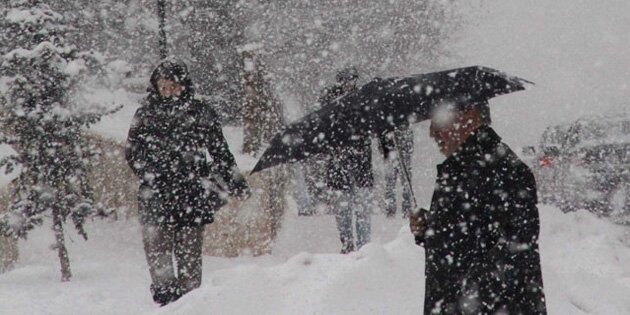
(261, 109)
(39, 71)
(125, 30)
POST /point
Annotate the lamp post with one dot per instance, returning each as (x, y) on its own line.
(161, 11)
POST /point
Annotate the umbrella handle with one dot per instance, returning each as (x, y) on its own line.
(405, 172)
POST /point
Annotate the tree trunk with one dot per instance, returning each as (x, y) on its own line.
(61, 245)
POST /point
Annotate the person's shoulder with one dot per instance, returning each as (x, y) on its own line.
(143, 109)
(147, 103)
(332, 91)
(204, 108)
(498, 153)
(328, 89)
(151, 97)
(511, 165)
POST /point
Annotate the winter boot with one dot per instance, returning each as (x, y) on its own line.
(347, 247)
(166, 294)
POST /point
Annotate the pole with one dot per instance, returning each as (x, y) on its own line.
(161, 11)
(405, 172)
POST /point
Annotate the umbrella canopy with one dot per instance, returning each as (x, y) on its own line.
(381, 105)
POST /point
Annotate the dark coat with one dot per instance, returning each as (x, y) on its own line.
(331, 93)
(349, 166)
(401, 139)
(177, 149)
(482, 233)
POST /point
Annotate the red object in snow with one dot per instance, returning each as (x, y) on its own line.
(545, 161)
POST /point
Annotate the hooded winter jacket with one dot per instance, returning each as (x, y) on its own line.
(177, 149)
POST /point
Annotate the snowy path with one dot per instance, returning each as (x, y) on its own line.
(586, 266)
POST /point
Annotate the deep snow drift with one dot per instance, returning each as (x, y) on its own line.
(586, 268)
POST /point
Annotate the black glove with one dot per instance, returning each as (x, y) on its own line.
(241, 190)
(418, 225)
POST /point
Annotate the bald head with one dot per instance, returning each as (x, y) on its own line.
(451, 125)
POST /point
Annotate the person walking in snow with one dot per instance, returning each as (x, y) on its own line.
(170, 138)
(481, 232)
(349, 175)
(396, 145)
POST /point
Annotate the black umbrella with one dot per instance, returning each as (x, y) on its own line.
(381, 105)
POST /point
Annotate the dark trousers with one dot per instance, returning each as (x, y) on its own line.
(393, 173)
(174, 257)
(348, 204)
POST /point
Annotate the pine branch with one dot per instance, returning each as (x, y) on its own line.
(10, 162)
(88, 209)
(79, 214)
(19, 221)
(90, 119)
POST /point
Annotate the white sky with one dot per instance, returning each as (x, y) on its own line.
(576, 51)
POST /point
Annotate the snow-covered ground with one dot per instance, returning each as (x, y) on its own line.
(574, 50)
(586, 263)
(586, 268)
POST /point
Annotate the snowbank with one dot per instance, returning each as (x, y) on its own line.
(586, 267)
(380, 279)
(586, 263)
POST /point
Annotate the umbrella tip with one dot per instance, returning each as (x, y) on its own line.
(509, 76)
(523, 82)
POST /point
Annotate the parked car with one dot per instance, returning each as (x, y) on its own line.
(586, 165)
(546, 163)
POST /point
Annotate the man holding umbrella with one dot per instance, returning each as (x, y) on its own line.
(481, 233)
